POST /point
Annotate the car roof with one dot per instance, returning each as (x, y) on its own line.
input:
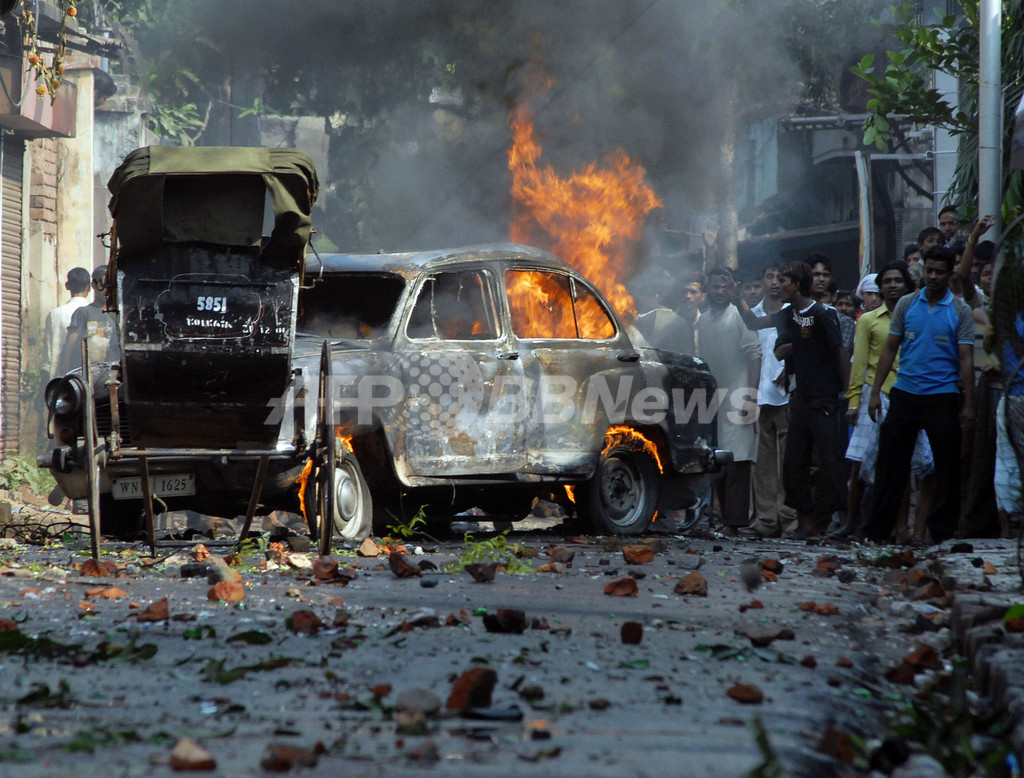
(411, 263)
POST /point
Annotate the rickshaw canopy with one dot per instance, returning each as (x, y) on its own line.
(228, 196)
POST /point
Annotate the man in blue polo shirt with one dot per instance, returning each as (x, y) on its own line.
(933, 332)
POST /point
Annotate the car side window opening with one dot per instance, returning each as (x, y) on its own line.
(455, 305)
(349, 306)
(552, 305)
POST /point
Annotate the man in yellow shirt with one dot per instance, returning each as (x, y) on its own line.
(894, 281)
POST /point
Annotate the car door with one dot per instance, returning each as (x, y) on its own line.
(579, 364)
(459, 372)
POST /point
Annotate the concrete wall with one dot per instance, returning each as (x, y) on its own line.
(118, 128)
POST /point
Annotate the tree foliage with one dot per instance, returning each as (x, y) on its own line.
(904, 87)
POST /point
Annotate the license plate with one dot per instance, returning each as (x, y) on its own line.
(169, 485)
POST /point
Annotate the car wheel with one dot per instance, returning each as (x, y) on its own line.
(622, 496)
(119, 518)
(353, 505)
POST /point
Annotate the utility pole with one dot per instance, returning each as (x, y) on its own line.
(990, 113)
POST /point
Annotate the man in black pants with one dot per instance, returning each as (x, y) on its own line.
(933, 332)
(811, 342)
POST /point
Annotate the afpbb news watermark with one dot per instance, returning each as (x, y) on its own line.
(444, 397)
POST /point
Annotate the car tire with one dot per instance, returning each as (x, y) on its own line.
(353, 505)
(119, 518)
(622, 496)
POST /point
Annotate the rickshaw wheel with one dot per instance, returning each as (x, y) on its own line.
(326, 445)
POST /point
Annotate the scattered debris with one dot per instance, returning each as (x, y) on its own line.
(638, 555)
(226, 591)
(282, 757)
(401, 567)
(473, 689)
(508, 620)
(482, 572)
(748, 694)
(156, 611)
(622, 587)
(692, 584)
(189, 755)
(632, 633)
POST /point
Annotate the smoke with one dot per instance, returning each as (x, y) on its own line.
(416, 94)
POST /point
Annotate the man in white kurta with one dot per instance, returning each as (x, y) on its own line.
(733, 353)
(58, 320)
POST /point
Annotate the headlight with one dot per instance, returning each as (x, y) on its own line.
(64, 396)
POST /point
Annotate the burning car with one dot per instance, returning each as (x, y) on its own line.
(487, 377)
(369, 387)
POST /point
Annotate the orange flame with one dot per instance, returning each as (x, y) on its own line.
(570, 492)
(620, 433)
(302, 480)
(592, 216)
(346, 439)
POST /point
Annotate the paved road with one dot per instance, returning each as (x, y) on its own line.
(571, 698)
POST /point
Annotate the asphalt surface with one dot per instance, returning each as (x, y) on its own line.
(87, 687)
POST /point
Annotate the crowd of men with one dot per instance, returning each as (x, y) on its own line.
(871, 401)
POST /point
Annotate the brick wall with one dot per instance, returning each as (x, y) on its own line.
(42, 199)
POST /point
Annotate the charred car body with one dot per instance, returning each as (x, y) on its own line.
(487, 377)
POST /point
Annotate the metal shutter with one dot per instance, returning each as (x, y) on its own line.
(10, 292)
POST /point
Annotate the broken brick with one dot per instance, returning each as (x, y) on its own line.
(929, 589)
(226, 591)
(554, 567)
(95, 569)
(368, 548)
(401, 567)
(638, 555)
(1014, 625)
(622, 587)
(304, 621)
(109, 592)
(482, 572)
(763, 636)
(189, 755)
(473, 689)
(460, 619)
(508, 620)
(746, 693)
(632, 633)
(752, 605)
(155, 611)
(902, 559)
(325, 568)
(809, 661)
(901, 674)
(560, 554)
(692, 583)
(282, 757)
(199, 553)
(923, 658)
(836, 744)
